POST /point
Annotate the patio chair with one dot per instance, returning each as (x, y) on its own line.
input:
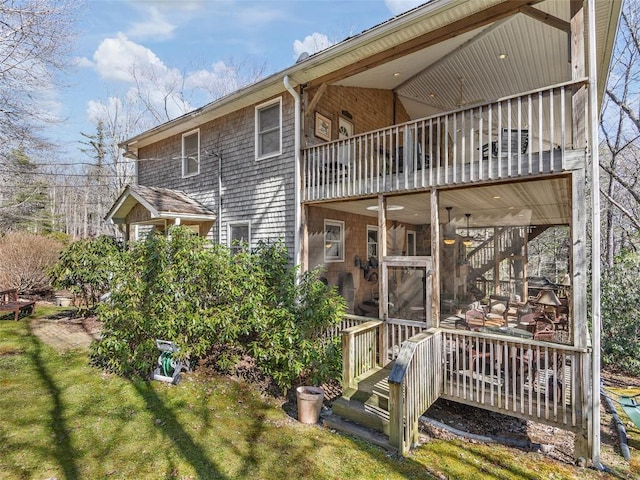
(474, 315)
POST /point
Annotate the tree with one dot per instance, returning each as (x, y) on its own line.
(35, 38)
(24, 195)
(620, 311)
(620, 128)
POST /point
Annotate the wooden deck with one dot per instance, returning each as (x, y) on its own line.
(520, 377)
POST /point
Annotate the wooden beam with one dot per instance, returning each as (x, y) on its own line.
(546, 18)
(316, 98)
(383, 291)
(435, 257)
(464, 25)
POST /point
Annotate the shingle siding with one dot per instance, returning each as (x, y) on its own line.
(258, 191)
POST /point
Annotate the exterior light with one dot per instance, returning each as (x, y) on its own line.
(449, 230)
(467, 241)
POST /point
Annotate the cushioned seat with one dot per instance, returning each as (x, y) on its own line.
(498, 309)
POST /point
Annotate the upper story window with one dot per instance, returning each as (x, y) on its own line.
(191, 153)
(239, 236)
(269, 129)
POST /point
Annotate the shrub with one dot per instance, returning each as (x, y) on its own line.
(217, 305)
(86, 267)
(621, 314)
(24, 261)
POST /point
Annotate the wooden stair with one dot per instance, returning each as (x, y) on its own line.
(366, 406)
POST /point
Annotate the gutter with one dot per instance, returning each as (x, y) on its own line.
(303, 68)
(296, 175)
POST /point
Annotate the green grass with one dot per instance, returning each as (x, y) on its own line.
(63, 418)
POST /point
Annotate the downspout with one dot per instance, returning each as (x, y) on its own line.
(296, 175)
(595, 236)
(219, 219)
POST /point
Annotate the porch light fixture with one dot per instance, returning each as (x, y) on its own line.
(449, 230)
(467, 241)
(502, 56)
(390, 208)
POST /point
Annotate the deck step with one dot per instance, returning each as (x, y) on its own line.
(370, 416)
(337, 423)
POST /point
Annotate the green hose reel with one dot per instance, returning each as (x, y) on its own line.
(168, 367)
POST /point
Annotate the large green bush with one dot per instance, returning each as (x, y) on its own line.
(86, 268)
(621, 314)
(217, 305)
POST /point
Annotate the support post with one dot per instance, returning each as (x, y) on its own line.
(435, 256)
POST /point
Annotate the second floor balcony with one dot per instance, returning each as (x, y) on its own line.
(527, 135)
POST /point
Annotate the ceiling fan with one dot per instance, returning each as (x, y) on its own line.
(461, 101)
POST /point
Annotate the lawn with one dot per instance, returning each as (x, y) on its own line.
(63, 418)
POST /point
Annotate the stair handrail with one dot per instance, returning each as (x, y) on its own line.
(359, 351)
(501, 234)
(415, 382)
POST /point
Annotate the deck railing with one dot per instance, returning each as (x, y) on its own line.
(528, 134)
(414, 384)
(398, 331)
(347, 321)
(535, 380)
(359, 351)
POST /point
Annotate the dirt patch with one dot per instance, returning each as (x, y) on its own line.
(66, 333)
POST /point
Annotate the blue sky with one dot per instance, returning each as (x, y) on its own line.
(195, 42)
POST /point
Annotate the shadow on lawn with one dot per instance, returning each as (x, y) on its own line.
(64, 452)
(190, 450)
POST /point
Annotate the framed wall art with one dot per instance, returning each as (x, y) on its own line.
(345, 128)
(323, 127)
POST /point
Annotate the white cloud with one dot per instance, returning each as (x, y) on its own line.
(155, 26)
(119, 59)
(311, 44)
(400, 6)
(153, 82)
(83, 62)
(103, 110)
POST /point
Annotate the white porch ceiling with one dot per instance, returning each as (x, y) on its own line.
(429, 80)
(539, 202)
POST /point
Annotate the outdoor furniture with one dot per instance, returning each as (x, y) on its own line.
(508, 140)
(474, 316)
(497, 309)
(528, 321)
(9, 302)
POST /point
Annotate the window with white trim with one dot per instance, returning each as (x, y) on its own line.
(333, 241)
(372, 241)
(269, 129)
(239, 237)
(191, 153)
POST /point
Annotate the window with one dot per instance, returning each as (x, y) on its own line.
(411, 242)
(372, 241)
(333, 241)
(269, 129)
(239, 237)
(191, 153)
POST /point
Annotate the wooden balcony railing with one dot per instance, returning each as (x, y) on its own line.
(529, 134)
